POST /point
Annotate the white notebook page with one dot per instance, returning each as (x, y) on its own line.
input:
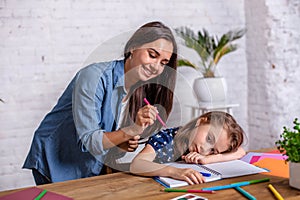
(235, 168)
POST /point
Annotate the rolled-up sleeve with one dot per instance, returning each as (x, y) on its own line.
(87, 108)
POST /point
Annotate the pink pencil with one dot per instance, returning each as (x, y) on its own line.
(157, 116)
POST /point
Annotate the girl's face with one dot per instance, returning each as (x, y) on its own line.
(148, 61)
(209, 140)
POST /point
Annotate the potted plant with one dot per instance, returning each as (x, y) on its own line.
(210, 50)
(289, 145)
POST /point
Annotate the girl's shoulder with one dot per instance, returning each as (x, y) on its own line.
(168, 132)
(164, 136)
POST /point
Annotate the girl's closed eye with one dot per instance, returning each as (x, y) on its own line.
(210, 138)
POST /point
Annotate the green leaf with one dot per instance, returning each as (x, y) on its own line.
(209, 48)
(289, 142)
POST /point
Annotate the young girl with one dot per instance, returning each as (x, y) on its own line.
(213, 137)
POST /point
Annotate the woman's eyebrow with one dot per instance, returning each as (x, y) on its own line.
(155, 51)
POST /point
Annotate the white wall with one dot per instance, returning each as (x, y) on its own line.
(44, 42)
(274, 68)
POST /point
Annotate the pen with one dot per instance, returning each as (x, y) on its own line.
(40, 195)
(238, 184)
(157, 116)
(205, 174)
(276, 194)
(245, 193)
(191, 191)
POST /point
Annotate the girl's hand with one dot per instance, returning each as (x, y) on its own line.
(131, 144)
(186, 174)
(194, 157)
(197, 158)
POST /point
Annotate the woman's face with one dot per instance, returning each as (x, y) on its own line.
(209, 140)
(148, 61)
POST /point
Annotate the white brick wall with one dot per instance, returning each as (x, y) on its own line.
(44, 42)
(273, 65)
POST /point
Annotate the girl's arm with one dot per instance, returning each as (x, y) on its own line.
(143, 165)
(197, 158)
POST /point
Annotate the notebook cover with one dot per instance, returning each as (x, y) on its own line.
(276, 167)
(33, 192)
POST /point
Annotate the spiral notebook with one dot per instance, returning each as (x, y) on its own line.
(218, 171)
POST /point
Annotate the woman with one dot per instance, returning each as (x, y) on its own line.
(103, 107)
(212, 137)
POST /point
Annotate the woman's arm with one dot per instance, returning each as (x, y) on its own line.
(197, 158)
(143, 165)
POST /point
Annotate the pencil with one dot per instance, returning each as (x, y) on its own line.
(191, 191)
(245, 193)
(237, 184)
(274, 191)
(157, 116)
(205, 174)
(40, 195)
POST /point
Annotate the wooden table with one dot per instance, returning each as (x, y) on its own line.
(126, 186)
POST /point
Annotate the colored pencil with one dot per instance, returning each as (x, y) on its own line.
(238, 184)
(245, 193)
(40, 195)
(274, 191)
(157, 116)
(191, 191)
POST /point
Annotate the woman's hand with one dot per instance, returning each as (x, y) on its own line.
(131, 144)
(144, 118)
(186, 174)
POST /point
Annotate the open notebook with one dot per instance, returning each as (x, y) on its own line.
(218, 171)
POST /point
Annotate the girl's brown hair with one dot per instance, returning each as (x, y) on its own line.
(215, 119)
(159, 90)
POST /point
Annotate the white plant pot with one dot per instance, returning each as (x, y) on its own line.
(294, 180)
(210, 89)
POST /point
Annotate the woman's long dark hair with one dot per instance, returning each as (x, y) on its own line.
(159, 90)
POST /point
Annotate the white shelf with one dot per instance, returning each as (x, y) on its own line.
(204, 107)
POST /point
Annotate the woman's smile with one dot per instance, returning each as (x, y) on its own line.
(147, 71)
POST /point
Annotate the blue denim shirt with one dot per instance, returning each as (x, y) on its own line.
(68, 143)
